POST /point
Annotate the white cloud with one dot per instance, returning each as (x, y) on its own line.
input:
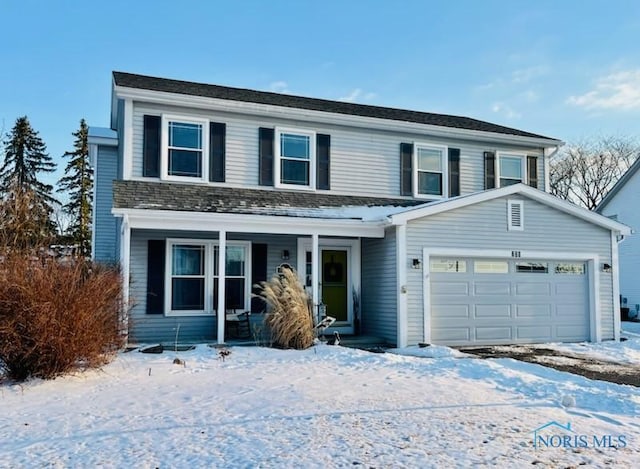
(357, 95)
(619, 90)
(279, 87)
(505, 110)
(525, 75)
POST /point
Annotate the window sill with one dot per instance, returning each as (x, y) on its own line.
(190, 313)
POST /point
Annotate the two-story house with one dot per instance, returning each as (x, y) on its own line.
(406, 225)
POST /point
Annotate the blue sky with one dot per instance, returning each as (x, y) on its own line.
(566, 69)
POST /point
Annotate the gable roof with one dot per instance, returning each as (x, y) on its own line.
(434, 208)
(619, 185)
(130, 80)
(146, 195)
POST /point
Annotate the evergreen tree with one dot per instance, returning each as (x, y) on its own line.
(25, 157)
(78, 182)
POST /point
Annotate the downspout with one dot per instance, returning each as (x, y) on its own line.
(548, 153)
(401, 286)
(616, 239)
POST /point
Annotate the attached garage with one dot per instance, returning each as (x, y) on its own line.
(477, 301)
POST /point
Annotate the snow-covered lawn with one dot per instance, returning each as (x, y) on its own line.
(322, 407)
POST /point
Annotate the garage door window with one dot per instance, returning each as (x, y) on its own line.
(491, 267)
(532, 267)
(571, 268)
(448, 265)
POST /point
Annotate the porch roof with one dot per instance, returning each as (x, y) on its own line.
(144, 195)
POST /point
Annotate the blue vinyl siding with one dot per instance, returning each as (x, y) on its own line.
(106, 228)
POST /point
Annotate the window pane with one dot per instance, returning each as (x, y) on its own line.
(235, 261)
(532, 267)
(185, 163)
(511, 167)
(573, 268)
(295, 146)
(430, 183)
(447, 265)
(508, 182)
(188, 260)
(234, 293)
(185, 135)
(294, 172)
(491, 267)
(429, 159)
(188, 294)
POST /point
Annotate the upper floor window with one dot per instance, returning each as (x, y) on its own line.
(430, 174)
(184, 148)
(295, 158)
(511, 169)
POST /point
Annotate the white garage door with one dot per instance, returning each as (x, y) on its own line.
(485, 301)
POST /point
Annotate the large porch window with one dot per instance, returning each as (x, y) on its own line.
(193, 276)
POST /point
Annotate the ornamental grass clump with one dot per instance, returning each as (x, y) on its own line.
(289, 318)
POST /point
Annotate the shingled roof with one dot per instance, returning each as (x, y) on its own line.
(129, 80)
(215, 199)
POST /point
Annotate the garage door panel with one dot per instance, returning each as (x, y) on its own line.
(492, 311)
(534, 310)
(474, 307)
(452, 334)
(451, 311)
(539, 288)
(491, 288)
(500, 334)
(449, 288)
(534, 333)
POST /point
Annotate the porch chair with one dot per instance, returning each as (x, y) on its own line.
(238, 325)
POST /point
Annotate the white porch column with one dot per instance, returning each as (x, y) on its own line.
(315, 271)
(125, 261)
(222, 263)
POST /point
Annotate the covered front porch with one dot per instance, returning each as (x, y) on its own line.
(174, 262)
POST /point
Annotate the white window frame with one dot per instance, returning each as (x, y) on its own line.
(511, 154)
(164, 160)
(278, 158)
(445, 170)
(209, 268)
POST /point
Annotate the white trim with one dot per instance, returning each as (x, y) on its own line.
(222, 284)
(323, 117)
(277, 157)
(93, 159)
(103, 141)
(615, 279)
(315, 274)
(127, 140)
(511, 154)
(401, 286)
(164, 147)
(125, 259)
(483, 196)
(592, 260)
(445, 170)
(201, 221)
(209, 308)
(510, 225)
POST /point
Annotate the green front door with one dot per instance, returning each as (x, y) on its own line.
(334, 273)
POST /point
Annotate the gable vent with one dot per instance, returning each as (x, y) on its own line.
(515, 215)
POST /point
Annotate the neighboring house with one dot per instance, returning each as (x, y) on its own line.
(621, 204)
(410, 226)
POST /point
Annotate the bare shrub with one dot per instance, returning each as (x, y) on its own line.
(56, 317)
(289, 318)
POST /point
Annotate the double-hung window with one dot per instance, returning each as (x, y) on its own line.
(511, 168)
(193, 277)
(430, 173)
(295, 156)
(185, 143)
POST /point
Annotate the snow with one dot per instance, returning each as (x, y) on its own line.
(328, 406)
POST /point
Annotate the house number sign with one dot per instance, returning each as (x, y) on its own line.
(515, 253)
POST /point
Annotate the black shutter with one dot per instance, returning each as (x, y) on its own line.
(266, 137)
(532, 171)
(323, 145)
(151, 147)
(155, 276)
(489, 170)
(258, 274)
(454, 172)
(217, 134)
(406, 176)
